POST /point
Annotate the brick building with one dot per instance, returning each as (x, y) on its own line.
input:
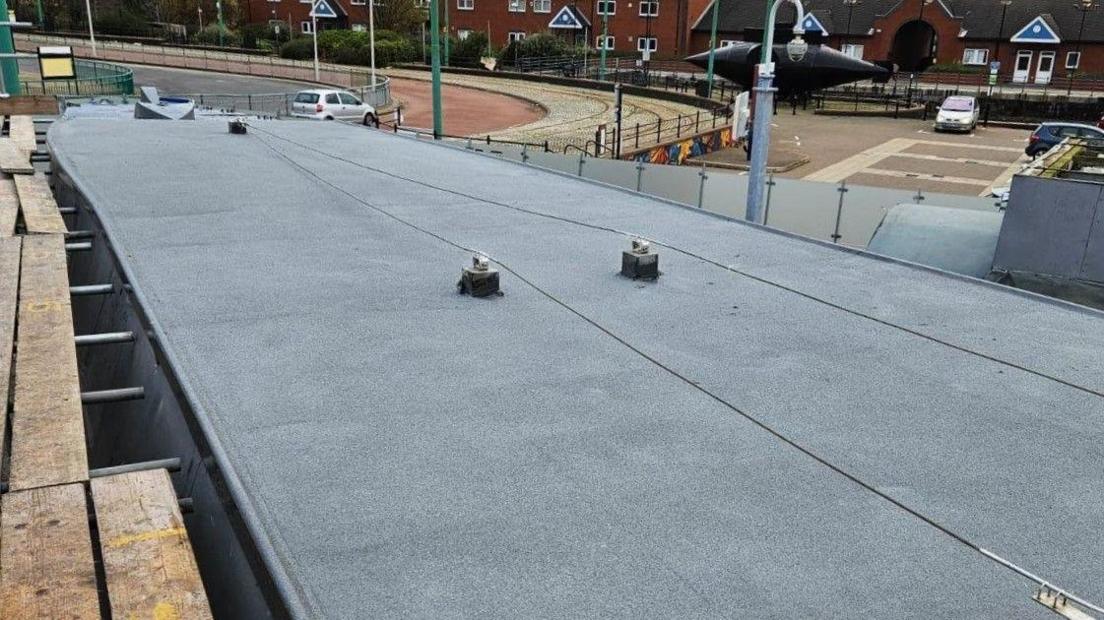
(350, 14)
(633, 25)
(1035, 41)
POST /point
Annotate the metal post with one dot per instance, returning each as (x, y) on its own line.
(617, 101)
(314, 35)
(9, 67)
(639, 176)
(372, 40)
(764, 106)
(91, 30)
(602, 50)
(712, 49)
(580, 163)
(701, 186)
(448, 37)
(41, 15)
(842, 189)
(222, 25)
(435, 55)
(770, 186)
(112, 396)
(106, 338)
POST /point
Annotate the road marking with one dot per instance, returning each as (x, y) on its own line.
(924, 177)
(953, 160)
(853, 165)
(1003, 149)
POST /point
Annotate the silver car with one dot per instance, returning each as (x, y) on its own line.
(329, 105)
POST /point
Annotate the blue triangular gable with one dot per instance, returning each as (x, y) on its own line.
(322, 8)
(1037, 31)
(812, 24)
(566, 19)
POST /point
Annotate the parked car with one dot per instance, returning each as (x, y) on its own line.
(957, 114)
(329, 105)
(1048, 135)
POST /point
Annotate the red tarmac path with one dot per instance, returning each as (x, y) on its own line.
(468, 111)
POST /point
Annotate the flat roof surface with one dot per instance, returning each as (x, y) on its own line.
(738, 439)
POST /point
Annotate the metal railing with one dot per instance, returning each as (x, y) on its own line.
(93, 77)
(279, 104)
(344, 76)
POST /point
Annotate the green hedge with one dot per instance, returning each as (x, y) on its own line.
(210, 36)
(348, 47)
(540, 45)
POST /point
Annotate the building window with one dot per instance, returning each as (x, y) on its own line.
(646, 43)
(607, 45)
(306, 27)
(975, 56)
(542, 6)
(463, 34)
(649, 8)
(1073, 60)
(465, 5)
(357, 2)
(727, 42)
(516, 6)
(607, 7)
(515, 37)
(854, 51)
(359, 28)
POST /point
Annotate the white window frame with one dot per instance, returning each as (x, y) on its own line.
(515, 6)
(465, 5)
(611, 42)
(542, 6)
(604, 6)
(653, 42)
(463, 33)
(653, 6)
(358, 2)
(853, 50)
(306, 27)
(727, 42)
(1074, 66)
(515, 36)
(970, 56)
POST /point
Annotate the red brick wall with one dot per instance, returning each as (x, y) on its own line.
(625, 25)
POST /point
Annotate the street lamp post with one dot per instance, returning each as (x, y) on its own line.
(435, 59)
(372, 41)
(850, 13)
(712, 49)
(1000, 37)
(764, 104)
(199, 12)
(222, 25)
(1084, 6)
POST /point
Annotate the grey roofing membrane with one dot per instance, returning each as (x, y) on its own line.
(416, 453)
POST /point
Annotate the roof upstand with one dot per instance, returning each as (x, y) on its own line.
(569, 18)
(1039, 30)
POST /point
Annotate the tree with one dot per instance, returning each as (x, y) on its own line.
(402, 16)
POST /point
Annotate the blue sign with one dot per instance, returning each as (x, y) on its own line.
(812, 24)
(1037, 31)
(566, 19)
(322, 8)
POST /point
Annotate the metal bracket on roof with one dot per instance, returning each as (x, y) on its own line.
(1056, 601)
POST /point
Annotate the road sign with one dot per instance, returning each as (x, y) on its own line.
(322, 8)
(994, 67)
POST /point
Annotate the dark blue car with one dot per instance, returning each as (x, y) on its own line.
(1047, 135)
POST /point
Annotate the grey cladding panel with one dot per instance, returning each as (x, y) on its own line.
(1093, 266)
(1046, 228)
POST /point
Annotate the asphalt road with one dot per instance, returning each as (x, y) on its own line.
(185, 81)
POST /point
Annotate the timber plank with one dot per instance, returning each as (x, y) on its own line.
(147, 557)
(13, 159)
(47, 421)
(9, 205)
(9, 282)
(46, 565)
(21, 130)
(40, 210)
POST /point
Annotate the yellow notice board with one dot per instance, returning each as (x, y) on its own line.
(56, 63)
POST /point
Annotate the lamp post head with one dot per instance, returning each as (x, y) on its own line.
(797, 47)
